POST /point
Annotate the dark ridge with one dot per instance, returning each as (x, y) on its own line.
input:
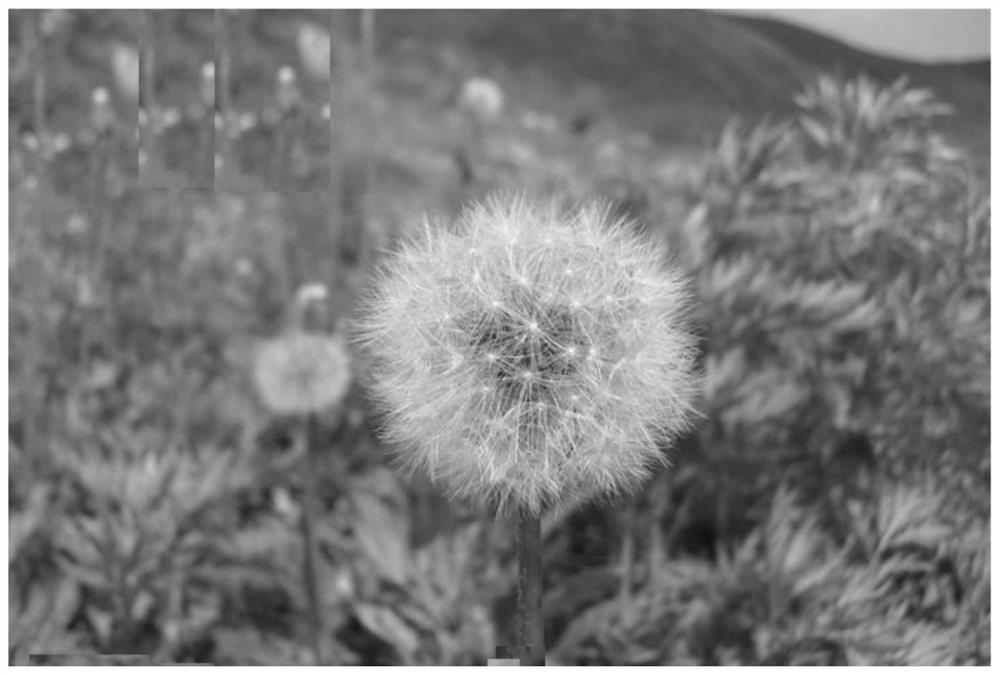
(965, 85)
(829, 53)
(668, 71)
(647, 53)
(979, 69)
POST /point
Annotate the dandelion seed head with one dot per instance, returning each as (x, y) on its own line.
(298, 372)
(302, 370)
(482, 97)
(550, 399)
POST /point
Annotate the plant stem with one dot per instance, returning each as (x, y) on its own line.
(367, 21)
(310, 561)
(38, 80)
(147, 97)
(530, 638)
(627, 555)
(102, 223)
(220, 155)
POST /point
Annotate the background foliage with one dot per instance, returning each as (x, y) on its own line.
(831, 508)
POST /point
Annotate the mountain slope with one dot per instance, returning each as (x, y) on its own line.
(672, 72)
(965, 85)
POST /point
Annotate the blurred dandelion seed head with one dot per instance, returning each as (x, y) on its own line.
(101, 114)
(208, 84)
(482, 98)
(54, 20)
(309, 309)
(288, 93)
(313, 44)
(515, 385)
(300, 372)
(311, 292)
(125, 66)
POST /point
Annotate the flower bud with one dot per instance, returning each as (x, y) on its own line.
(208, 84)
(102, 117)
(288, 93)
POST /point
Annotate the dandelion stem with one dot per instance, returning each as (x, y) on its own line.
(310, 559)
(531, 643)
(147, 97)
(627, 555)
(38, 80)
(218, 158)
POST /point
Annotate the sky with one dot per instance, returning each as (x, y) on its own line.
(915, 34)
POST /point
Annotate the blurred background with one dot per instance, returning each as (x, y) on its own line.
(189, 189)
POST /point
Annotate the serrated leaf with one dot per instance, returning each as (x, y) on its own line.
(101, 621)
(381, 533)
(94, 576)
(722, 372)
(816, 576)
(386, 624)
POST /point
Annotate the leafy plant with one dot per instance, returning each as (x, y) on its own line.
(142, 532)
(832, 506)
(858, 124)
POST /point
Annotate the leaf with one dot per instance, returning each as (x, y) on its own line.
(816, 577)
(40, 625)
(765, 396)
(815, 130)
(381, 533)
(101, 621)
(386, 624)
(801, 549)
(250, 647)
(27, 522)
(86, 575)
(722, 373)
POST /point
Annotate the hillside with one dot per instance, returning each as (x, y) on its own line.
(966, 85)
(676, 73)
(199, 473)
